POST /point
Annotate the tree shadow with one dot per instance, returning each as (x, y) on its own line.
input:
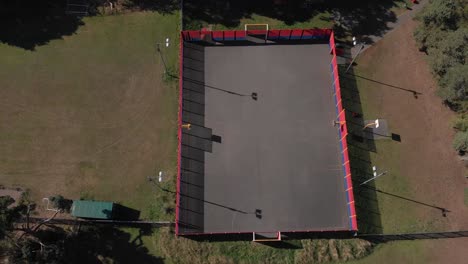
(28, 23)
(162, 6)
(361, 18)
(229, 13)
(95, 243)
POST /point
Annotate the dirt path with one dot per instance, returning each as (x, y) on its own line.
(425, 157)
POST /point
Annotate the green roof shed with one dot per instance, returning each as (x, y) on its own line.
(92, 209)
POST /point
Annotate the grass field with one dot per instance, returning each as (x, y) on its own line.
(424, 173)
(89, 115)
(162, 243)
(419, 182)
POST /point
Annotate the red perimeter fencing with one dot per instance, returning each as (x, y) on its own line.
(179, 132)
(288, 34)
(273, 35)
(343, 132)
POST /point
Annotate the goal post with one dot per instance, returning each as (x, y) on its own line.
(257, 30)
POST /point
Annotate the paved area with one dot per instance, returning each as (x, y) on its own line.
(276, 165)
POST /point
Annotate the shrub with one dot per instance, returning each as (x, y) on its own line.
(59, 202)
(454, 84)
(461, 124)
(460, 142)
(440, 13)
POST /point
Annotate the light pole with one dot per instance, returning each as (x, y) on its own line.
(161, 55)
(359, 51)
(374, 169)
(160, 177)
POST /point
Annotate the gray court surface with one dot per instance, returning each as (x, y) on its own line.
(265, 165)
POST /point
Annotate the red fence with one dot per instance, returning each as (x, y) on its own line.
(343, 132)
(179, 133)
(273, 35)
(290, 34)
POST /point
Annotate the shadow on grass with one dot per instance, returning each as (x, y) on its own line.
(291, 237)
(230, 12)
(125, 213)
(283, 244)
(94, 243)
(28, 24)
(359, 147)
(90, 244)
(352, 18)
(443, 210)
(414, 93)
(363, 18)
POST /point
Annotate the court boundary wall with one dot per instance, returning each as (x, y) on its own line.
(343, 133)
(239, 37)
(242, 35)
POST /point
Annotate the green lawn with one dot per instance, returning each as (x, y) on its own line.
(89, 115)
(379, 212)
(164, 244)
(397, 252)
(397, 213)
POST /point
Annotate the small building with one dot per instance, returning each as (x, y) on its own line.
(93, 209)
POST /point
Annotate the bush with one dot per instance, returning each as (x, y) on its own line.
(461, 124)
(440, 13)
(440, 62)
(59, 202)
(460, 142)
(444, 36)
(454, 84)
(447, 50)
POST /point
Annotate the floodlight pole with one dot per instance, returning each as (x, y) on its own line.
(157, 181)
(162, 58)
(359, 51)
(373, 178)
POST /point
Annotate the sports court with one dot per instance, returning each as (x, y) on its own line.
(261, 135)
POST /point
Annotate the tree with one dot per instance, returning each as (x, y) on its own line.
(454, 45)
(59, 202)
(438, 18)
(440, 14)
(454, 84)
(8, 215)
(444, 36)
(460, 142)
(461, 123)
(449, 51)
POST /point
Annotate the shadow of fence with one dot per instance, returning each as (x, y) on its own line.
(360, 148)
(382, 238)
